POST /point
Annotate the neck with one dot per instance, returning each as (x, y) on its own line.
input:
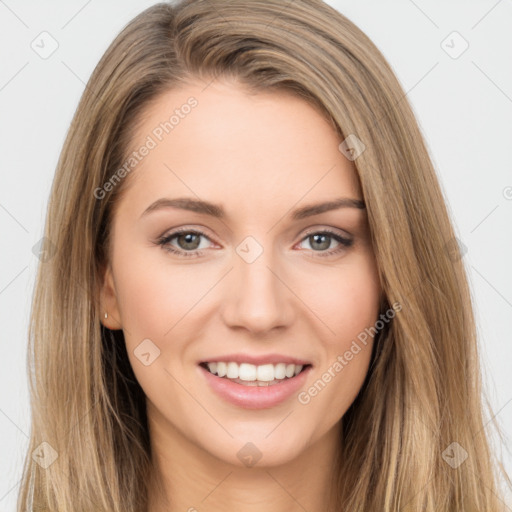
(185, 477)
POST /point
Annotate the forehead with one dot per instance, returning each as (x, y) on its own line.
(220, 142)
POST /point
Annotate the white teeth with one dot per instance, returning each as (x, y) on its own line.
(246, 371)
(259, 375)
(221, 369)
(265, 372)
(232, 371)
(280, 371)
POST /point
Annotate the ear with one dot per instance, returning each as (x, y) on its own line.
(108, 301)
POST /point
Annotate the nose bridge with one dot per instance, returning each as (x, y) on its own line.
(257, 299)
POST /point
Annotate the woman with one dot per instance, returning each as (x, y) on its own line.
(255, 298)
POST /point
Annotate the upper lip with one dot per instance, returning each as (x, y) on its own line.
(257, 360)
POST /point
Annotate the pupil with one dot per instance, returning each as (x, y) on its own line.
(187, 238)
(325, 244)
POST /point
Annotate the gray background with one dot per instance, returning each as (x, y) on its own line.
(463, 103)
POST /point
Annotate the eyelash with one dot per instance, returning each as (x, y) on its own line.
(164, 241)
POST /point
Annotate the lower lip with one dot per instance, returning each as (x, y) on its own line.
(255, 397)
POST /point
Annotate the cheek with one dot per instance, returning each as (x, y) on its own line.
(159, 301)
(152, 295)
(348, 309)
(345, 300)
(144, 296)
(154, 299)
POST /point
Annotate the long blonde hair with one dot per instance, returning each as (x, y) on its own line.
(422, 393)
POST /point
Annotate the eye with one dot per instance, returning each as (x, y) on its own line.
(321, 240)
(188, 242)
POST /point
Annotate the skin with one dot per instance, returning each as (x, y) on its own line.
(259, 156)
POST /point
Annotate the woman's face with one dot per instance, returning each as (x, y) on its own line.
(255, 280)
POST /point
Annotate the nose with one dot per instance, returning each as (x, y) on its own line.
(257, 297)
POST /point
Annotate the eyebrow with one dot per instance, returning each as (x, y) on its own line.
(217, 211)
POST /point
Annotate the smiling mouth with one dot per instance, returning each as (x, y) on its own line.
(251, 375)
